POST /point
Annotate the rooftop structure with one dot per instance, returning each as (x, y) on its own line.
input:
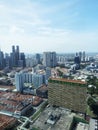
(54, 119)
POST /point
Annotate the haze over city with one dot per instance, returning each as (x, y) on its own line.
(49, 25)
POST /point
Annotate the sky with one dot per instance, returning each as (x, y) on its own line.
(49, 25)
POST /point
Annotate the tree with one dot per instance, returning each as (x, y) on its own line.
(90, 101)
(60, 73)
(92, 80)
(93, 105)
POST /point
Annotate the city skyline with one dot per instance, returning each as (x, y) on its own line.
(42, 25)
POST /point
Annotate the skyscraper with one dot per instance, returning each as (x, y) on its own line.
(1, 60)
(14, 57)
(49, 59)
(48, 73)
(13, 49)
(37, 80)
(38, 58)
(17, 55)
(17, 49)
(17, 58)
(19, 81)
(22, 59)
(77, 59)
(80, 55)
(83, 56)
(7, 61)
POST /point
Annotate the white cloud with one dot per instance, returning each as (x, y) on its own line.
(55, 40)
(28, 25)
(17, 30)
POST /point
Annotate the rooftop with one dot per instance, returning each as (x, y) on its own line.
(43, 88)
(61, 119)
(63, 80)
(93, 125)
(5, 121)
(15, 101)
(82, 126)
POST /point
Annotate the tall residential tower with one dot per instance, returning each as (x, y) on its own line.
(49, 59)
(71, 94)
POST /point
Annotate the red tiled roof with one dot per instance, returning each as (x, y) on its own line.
(68, 80)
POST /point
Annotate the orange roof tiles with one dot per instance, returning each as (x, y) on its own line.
(6, 121)
(43, 88)
(68, 80)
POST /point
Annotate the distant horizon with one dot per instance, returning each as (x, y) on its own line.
(43, 25)
(33, 53)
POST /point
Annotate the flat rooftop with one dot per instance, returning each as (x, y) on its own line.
(43, 88)
(82, 126)
(63, 123)
(67, 80)
(93, 125)
(3, 89)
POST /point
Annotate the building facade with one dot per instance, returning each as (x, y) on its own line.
(38, 58)
(67, 93)
(1, 60)
(49, 59)
(37, 80)
(34, 79)
(19, 81)
(17, 58)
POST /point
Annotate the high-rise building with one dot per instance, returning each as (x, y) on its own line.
(17, 49)
(48, 73)
(49, 59)
(70, 94)
(1, 60)
(19, 81)
(17, 55)
(37, 80)
(77, 60)
(83, 56)
(7, 61)
(22, 59)
(17, 58)
(13, 57)
(27, 77)
(13, 49)
(38, 58)
(31, 62)
(80, 56)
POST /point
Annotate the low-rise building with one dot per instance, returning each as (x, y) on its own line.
(82, 126)
(93, 124)
(42, 91)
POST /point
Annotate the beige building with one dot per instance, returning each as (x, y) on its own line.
(70, 94)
